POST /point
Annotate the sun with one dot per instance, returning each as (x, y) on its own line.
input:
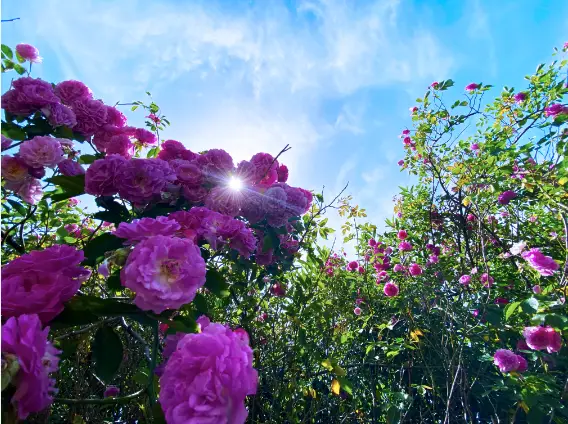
(235, 184)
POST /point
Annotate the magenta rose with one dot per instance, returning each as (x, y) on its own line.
(390, 289)
(544, 265)
(224, 200)
(91, 116)
(141, 229)
(41, 151)
(164, 272)
(172, 149)
(28, 52)
(266, 172)
(540, 338)
(29, 189)
(141, 180)
(41, 281)
(24, 338)
(208, 377)
(70, 168)
(71, 91)
(506, 360)
(14, 169)
(216, 165)
(101, 178)
(28, 95)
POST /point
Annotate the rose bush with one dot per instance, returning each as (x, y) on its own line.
(195, 289)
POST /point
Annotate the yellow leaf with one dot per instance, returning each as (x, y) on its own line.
(563, 180)
(524, 406)
(313, 393)
(335, 386)
(327, 365)
(466, 201)
(339, 371)
(427, 387)
(414, 335)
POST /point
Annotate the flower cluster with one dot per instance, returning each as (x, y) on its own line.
(41, 281)
(25, 343)
(208, 376)
(508, 361)
(541, 338)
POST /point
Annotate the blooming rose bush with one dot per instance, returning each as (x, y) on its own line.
(156, 283)
(174, 234)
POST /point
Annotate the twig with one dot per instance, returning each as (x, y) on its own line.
(106, 401)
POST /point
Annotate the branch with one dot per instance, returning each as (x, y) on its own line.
(106, 401)
(10, 20)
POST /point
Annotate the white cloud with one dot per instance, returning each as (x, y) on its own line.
(251, 78)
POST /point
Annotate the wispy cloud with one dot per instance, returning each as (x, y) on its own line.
(244, 77)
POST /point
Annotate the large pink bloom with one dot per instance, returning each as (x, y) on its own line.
(101, 178)
(415, 269)
(29, 190)
(14, 169)
(506, 360)
(141, 229)
(91, 116)
(70, 168)
(71, 91)
(224, 200)
(24, 338)
(540, 338)
(164, 272)
(27, 96)
(172, 149)
(28, 52)
(41, 151)
(216, 165)
(266, 169)
(141, 180)
(390, 289)
(208, 377)
(545, 265)
(58, 114)
(41, 281)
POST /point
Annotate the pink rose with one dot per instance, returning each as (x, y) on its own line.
(207, 378)
(41, 281)
(506, 360)
(164, 272)
(41, 151)
(28, 53)
(544, 265)
(24, 338)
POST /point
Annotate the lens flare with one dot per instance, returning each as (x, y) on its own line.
(235, 184)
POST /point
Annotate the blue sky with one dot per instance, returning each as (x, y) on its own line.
(334, 79)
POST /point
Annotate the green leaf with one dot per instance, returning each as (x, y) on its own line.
(87, 159)
(107, 353)
(69, 183)
(557, 321)
(70, 186)
(133, 108)
(13, 131)
(153, 152)
(19, 69)
(113, 281)
(63, 132)
(18, 206)
(98, 246)
(510, 309)
(200, 303)
(530, 306)
(7, 51)
(20, 58)
(215, 282)
(345, 385)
